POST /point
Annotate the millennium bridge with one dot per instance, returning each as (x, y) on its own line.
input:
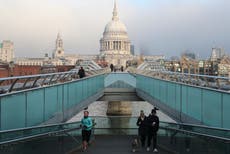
(34, 112)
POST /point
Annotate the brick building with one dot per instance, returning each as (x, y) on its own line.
(8, 70)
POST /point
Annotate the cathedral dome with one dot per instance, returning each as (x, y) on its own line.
(115, 43)
(115, 26)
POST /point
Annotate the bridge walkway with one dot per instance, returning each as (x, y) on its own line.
(111, 144)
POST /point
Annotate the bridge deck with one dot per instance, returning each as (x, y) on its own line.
(114, 145)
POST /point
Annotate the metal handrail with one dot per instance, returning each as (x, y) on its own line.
(71, 129)
(207, 81)
(33, 79)
(198, 134)
(200, 126)
(33, 76)
(221, 89)
(175, 129)
(37, 135)
(41, 75)
(37, 127)
(175, 123)
(180, 125)
(187, 74)
(59, 83)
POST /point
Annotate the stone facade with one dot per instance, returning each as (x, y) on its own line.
(29, 61)
(38, 62)
(6, 51)
(115, 44)
(224, 66)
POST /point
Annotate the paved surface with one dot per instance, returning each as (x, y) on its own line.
(114, 145)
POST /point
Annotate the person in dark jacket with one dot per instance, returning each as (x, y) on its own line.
(81, 72)
(111, 67)
(142, 130)
(122, 69)
(153, 126)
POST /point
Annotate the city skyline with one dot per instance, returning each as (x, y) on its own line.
(169, 27)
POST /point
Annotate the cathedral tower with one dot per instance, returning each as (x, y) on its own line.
(115, 43)
(59, 50)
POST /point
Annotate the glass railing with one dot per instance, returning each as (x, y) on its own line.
(126, 80)
(16, 135)
(186, 102)
(59, 143)
(213, 82)
(19, 83)
(204, 130)
(113, 122)
(176, 141)
(58, 139)
(115, 125)
(62, 138)
(172, 137)
(57, 102)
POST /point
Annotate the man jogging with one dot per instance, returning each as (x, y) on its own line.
(86, 124)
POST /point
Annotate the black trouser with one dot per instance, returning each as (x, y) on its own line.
(152, 136)
(187, 142)
(142, 138)
(86, 135)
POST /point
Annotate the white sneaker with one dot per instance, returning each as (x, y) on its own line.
(148, 149)
(155, 150)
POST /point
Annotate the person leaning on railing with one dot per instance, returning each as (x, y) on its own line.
(81, 72)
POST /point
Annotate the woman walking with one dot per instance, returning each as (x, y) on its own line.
(142, 130)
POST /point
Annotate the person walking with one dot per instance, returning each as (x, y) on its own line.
(142, 129)
(81, 72)
(153, 126)
(86, 124)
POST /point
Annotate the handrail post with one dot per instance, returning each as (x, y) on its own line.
(12, 85)
(24, 85)
(35, 81)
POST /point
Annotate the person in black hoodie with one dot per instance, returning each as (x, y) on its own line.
(111, 67)
(81, 72)
(153, 126)
(142, 130)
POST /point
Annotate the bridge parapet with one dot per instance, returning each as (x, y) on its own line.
(126, 79)
(10, 84)
(214, 82)
(49, 104)
(185, 102)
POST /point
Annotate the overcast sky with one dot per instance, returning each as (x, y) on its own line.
(155, 27)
